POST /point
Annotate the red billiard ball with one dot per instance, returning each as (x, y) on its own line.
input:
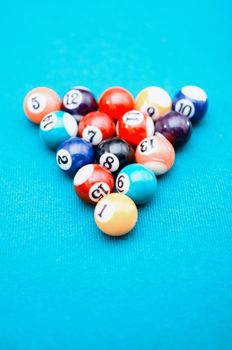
(96, 126)
(115, 102)
(134, 126)
(92, 182)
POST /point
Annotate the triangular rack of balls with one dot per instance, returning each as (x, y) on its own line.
(147, 128)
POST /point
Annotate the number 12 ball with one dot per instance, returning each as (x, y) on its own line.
(191, 101)
(73, 154)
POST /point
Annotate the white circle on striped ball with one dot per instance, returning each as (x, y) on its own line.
(98, 191)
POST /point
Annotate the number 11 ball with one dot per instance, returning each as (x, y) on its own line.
(39, 102)
(191, 101)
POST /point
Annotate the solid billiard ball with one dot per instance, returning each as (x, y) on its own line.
(191, 101)
(56, 127)
(92, 182)
(114, 154)
(176, 127)
(73, 154)
(134, 126)
(115, 102)
(115, 214)
(153, 101)
(96, 126)
(39, 102)
(138, 182)
(79, 101)
(156, 153)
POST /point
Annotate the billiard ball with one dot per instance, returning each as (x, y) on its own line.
(153, 101)
(114, 154)
(96, 126)
(92, 182)
(115, 214)
(191, 101)
(56, 127)
(115, 102)
(73, 154)
(39, 102)
(156, 153)
(79, 101)
(134, 126)
(138, 182)
(176, 127)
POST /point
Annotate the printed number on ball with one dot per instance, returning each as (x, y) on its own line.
(98, 191)
(48, 122)
(185, 107)
(63, 159)
(109, 161)
(148, 146)
(72, 99)
(104, 210)
(36, 103)
(92, 134)
(123, 183)
(133, 118)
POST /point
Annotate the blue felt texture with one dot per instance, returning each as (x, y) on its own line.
(168, 284)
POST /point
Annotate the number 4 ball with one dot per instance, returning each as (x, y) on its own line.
(115, 214)
(39, 102)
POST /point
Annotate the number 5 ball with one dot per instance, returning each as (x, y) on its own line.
(156, 153)
(39, 102)
(92, 182)
(115, 214)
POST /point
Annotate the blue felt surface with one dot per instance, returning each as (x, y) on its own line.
(63, 284)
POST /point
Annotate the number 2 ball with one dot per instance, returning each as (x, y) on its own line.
(73, 154)
(92, 182)
(115, 102)
(114, 154)
(79, 101)
(96, 126)
(134, 126)
(56, 127)
(115, 214)
(156, 153)
(39, 102)
(191, 101)
(138, 182)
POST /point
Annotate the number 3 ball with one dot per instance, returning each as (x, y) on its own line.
(156, 153)
(153, 101)
(96, 126)
(56, 127)
(39, 102)
(134, 126)
(92, 182)
(114, 154)
(115, 102)
(191, 101)
(115, 214)
(138, 182)
(73, 154)
(79, 101)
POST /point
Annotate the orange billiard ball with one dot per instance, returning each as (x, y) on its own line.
(115, 102)
(39, 102)
(153, 101)
(116, 214)
(156, 153)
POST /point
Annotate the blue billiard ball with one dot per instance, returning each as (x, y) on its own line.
(138, 182)
(57, 127)
(191, 101)
(73, 154)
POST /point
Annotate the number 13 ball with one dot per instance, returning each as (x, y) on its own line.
(115, 214)
(39, 102)
(191, 101)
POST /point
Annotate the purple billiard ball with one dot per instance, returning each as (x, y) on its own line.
(175, 126)
(79, 101)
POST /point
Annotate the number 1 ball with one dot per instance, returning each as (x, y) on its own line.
(138, 182)
(115, 214)
(79, 101)
(92, 182)
(191, 101)
(73, 154)
(57, 127)
(39, 102)
(115, 102)
(96, 126)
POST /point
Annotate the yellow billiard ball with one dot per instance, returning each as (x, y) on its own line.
(115, 214)
(153, 101)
